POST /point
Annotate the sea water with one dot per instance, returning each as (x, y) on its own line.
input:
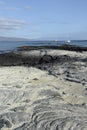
(12, 45)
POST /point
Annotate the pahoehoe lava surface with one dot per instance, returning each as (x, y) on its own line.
(43, 90)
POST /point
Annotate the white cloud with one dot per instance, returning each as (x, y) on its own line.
(10, 8)
(12, 24)
(27, 7)
(15, 9)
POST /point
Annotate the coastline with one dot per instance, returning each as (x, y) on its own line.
(44, 88)
(18, 57)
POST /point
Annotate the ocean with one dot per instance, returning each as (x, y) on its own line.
(12, 45)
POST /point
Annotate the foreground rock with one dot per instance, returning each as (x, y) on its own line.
(50, 95)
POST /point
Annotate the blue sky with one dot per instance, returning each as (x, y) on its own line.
(44, 19)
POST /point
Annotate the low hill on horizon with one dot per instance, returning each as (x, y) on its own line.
(2, 38)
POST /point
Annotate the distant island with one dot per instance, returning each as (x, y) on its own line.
(2, 38)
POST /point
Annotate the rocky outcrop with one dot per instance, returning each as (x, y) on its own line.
(50, 95)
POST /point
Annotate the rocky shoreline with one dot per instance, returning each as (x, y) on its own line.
(15, 58)
(44, 88)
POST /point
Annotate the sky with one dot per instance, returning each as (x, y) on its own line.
(44, 19)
